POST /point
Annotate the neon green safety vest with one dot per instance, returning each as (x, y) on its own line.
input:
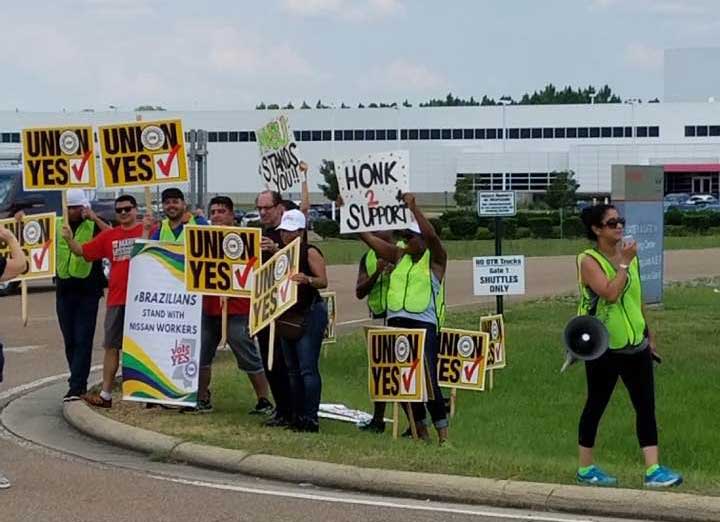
(377, 298)
(624, 318)
(411, 288)
(68, 264)
(167, 234)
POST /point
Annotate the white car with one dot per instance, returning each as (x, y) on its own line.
(249, 218)
(702, 198)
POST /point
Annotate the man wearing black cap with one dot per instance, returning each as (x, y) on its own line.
(176, 217)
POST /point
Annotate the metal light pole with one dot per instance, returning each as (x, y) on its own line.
(498, 219)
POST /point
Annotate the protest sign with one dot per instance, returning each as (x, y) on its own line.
(36, 235)
(370, 187)
(462, 359)
(272, 291)
(58, 157)
(279, 162)
(494, 326)
(161, 341)
(143, 153)
(331, 305)
(396, 372)
(221, 260)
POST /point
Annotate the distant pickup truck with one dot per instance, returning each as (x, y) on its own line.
(14, 198)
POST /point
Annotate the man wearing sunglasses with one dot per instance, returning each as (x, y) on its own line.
(116, 245)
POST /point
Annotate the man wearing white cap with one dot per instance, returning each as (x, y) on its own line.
(79, 288)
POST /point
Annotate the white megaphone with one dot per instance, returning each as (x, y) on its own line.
(586, 339)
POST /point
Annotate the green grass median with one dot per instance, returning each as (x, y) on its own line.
(525, 429)
(344, 252)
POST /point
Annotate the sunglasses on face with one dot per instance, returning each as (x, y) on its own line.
(123, 210)
(613, 222)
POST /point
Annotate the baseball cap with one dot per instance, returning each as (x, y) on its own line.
(172, 192)
(292, 220)
(77, 198)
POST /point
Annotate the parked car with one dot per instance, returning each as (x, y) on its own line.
(702, 198)
(249, 218)
(239, 215)
(675, 200)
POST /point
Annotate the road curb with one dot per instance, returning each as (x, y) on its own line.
(627, 503)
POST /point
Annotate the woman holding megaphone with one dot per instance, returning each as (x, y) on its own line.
(609, 281)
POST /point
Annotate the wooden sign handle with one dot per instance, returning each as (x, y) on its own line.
(396, 420)
(64, 207)
(223, 322)
(411, 418)
(453, 400)
(148, 199)
(271, 346)
(491, 378)
(24, 302)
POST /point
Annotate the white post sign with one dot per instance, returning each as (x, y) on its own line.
(499, 275)
(496, 204)
(279, 162)
(370, 187)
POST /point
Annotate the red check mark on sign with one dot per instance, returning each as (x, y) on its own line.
(78, 171)
(166, 165)
(408, 377)
(242, 278)
(470, 370)
(284, 290)
(39, 258)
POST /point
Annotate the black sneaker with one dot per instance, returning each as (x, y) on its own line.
(71, 396)
(263, 407)
(372, 426)
(276, 421)
(306, 426)
(202, 407)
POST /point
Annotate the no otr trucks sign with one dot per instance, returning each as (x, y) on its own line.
(499, 275)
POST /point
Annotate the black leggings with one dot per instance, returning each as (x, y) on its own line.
(636, 372)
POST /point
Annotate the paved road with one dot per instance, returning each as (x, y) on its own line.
(59, 474)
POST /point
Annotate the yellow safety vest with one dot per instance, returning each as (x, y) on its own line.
(411, 288)
(624, 318)
(68, 264)
(167, 234)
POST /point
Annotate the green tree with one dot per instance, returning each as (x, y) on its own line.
(273, 107)
(304, 105)
(289, 106)
(561, 193)
(464, 192)
(261, 106)
(330, 187)
(343, 106)
(321, 105)
(407, 104)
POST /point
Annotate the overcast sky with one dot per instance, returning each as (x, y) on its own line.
(232, 54)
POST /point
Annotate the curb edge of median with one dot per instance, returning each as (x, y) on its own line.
(446, 488)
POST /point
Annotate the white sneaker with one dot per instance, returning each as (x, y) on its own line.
(4, 482)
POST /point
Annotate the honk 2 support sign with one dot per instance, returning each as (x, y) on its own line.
(58, 158)
(396, 372)
(36, 235)
(462, 359)
(370, 187)
(143, 153)
(494, 326)
(221, 260)
(279, 162)
(273, 292)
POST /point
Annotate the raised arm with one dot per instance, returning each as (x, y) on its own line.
(365, 282)
(382, 248)
(432, 240)
(88, 213)
(305, 198)
(16, 263)
(75, 247)
(593, 275)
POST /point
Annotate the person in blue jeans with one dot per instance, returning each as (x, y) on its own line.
(302, 355)
(10, 268)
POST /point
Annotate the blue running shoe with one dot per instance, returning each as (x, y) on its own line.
(663, 477)
(595, 477)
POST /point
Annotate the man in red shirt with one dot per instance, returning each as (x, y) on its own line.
(242, 345)
(116, 245)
